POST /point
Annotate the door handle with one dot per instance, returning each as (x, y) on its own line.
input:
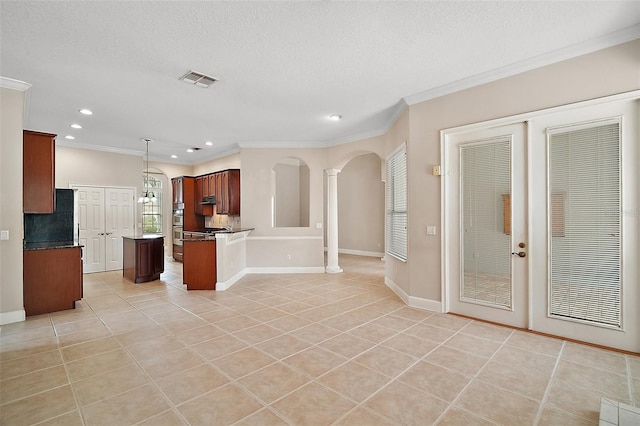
(520, 253)
(109, 233)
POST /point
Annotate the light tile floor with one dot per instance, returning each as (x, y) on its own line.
(307, 349)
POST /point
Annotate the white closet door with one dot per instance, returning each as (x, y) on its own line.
(119, 216)
(91, 226)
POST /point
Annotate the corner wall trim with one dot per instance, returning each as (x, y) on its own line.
(12, 316)
(412, 301)
(224, 285)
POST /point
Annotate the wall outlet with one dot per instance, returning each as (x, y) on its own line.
(4, 234)
(431, 230)
(288, 256)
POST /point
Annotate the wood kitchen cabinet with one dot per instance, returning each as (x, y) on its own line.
(201, 191)
(199, 270)
(184, 191)
(52, 279)
(142, 258)
(227, 184)
(38, 172)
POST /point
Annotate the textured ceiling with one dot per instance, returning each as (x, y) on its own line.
(283, 66)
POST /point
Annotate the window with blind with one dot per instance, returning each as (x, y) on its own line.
(585, 261)
(396, 201)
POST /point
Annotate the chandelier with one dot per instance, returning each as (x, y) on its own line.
(147, 196)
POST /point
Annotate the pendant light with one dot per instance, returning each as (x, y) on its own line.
(147, 196)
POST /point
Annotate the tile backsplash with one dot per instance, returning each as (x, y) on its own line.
(219, 220)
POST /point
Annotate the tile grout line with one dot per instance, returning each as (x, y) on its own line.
(452, 404)
(547, 391)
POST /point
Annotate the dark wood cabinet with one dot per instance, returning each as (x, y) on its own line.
(200, 193)
(199, 270)
(228, 192)
(212, 184)
(143, 258)
(52, 279)
(38, 172)
(184, 196)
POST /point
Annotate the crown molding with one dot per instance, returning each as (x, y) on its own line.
(609, 40)
(102, 148)
(10, 83)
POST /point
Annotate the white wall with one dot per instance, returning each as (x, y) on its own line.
(11, 217)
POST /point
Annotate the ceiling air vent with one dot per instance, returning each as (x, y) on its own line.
(198, 79)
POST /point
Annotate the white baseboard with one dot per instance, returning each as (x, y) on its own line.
(412, 301)
(13, 316)
(286, 270)
(224, 285)
(359, 252)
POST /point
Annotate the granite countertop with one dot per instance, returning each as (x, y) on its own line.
(144, 237)
(207, 236)
(50, 245)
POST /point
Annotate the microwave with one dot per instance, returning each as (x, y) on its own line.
(177, 219)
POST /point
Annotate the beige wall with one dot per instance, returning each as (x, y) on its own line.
(268, 246)
(229, 162)
(11, 123)
(361, 206)
(605, 72)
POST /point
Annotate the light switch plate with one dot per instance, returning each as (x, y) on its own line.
(431, 230)
(4, 234)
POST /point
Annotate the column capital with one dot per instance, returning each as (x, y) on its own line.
(332, 172)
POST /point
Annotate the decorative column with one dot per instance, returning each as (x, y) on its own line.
(332, 222)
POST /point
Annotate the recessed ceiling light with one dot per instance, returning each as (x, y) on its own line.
(76, 126)
(86, 111)
(189, 150)
(335, 117)
(69, 137)
(174, 156)
(208, 143)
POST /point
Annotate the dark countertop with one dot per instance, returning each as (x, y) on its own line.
(144, 237)
(50, 245)
(207, 236)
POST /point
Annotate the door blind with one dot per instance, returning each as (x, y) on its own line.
(485, 187)
(585, 261)
(397, 204)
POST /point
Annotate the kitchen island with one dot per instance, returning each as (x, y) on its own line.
(142, 258)
(214, 259)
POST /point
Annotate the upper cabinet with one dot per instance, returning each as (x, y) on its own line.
(228, 192)
(38, 172)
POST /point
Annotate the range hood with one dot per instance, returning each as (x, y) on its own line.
(209, 200)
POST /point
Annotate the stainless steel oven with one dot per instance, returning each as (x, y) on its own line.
(177, 235)
(177, 218)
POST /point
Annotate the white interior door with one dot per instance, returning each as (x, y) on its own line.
(487, 211)
(105, 215)
(91, 227)
(119, 220)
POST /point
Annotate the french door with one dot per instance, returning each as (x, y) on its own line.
(541, 223)
(105, 215)
(489, 224)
